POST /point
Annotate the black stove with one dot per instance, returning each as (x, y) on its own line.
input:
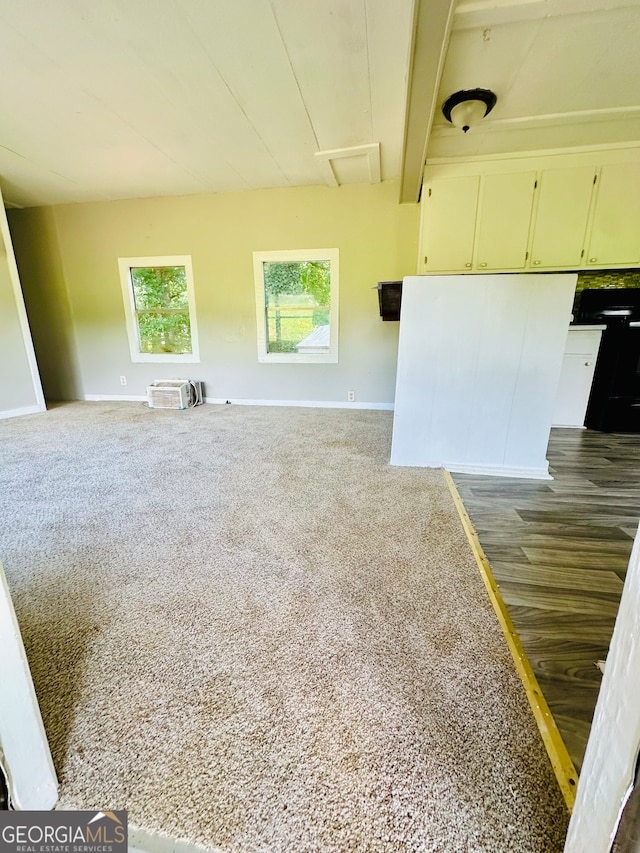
(614, 403)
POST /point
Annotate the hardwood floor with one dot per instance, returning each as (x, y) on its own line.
(559, 552)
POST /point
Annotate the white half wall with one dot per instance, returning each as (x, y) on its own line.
(479, 361)
(614, 742)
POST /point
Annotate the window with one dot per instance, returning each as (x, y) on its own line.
(160, 308)
(297, 305)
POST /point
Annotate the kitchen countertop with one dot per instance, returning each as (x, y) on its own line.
(587, 327)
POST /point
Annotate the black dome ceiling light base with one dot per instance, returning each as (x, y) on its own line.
(468, 106)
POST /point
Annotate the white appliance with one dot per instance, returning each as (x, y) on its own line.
(169, 394)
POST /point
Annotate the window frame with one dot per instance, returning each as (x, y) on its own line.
(288, 256)
(133, 332)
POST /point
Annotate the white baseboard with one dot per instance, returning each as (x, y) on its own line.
(121, 398)
(141, 841)
(499, 471)
(27, 410)
(308, 404)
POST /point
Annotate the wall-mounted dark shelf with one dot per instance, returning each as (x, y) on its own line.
(389, 299)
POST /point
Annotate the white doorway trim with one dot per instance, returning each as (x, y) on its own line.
(26, 758)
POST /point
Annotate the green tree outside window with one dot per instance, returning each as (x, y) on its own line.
(162, 309)
(297, 301)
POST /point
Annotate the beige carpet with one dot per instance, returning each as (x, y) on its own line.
(250, 631)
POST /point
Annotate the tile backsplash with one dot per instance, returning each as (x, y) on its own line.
(608, 278)
(604, 279)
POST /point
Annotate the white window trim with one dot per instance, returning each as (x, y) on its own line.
(125, 265)
(259, 258)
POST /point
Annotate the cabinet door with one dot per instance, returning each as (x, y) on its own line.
(448, 224)
(505, 215)
(561, 219)
(615, 232)
(574, 388)
(576, 377)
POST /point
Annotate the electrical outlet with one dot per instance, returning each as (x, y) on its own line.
(351, 396)
(123, 380)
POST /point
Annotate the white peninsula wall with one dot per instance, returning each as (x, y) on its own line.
(479, 362)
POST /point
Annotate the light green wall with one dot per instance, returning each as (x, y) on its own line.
(35, 243)
(17, 389)
(376, 236)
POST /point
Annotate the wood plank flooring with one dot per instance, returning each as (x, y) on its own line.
(559, 552)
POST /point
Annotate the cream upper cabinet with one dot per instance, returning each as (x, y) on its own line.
(537, 213)
(503, 220)
(448, 224)
(615, 231)
(564, 199)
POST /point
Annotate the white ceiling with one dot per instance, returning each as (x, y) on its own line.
(566, 73)
(132, 98)
(129, 98)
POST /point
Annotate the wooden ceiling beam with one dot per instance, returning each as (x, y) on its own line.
(431, 30)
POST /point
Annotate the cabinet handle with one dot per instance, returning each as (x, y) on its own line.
(468, 266)
(483, 264)
(536, 263)
(593, 260)
(587, 364)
